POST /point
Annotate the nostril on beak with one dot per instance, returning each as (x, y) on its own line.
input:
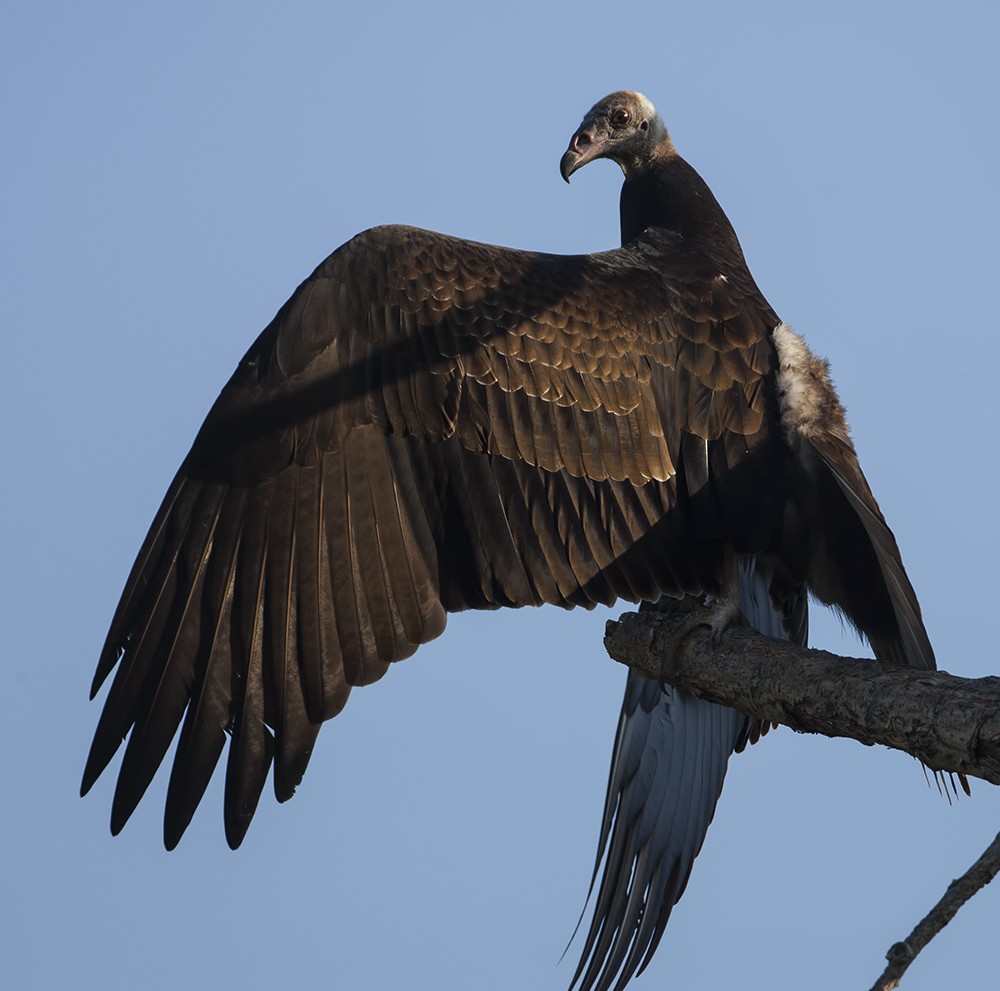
(581, 140)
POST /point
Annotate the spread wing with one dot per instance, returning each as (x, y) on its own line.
(429, 425)
(667, 770)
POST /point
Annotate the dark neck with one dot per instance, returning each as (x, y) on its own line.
(673, 196)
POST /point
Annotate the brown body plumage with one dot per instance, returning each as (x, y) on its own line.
(430, 425)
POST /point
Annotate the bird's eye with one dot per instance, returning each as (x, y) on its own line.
(620, 117)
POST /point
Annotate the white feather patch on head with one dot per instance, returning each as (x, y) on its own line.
(645, 103)
(809, 405)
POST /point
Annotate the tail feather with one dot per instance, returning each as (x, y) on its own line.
(667, 770)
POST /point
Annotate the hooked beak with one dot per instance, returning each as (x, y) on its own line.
(583, 148)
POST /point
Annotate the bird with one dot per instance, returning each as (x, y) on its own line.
(430, 425)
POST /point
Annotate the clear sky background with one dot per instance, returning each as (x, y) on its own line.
(172, 171)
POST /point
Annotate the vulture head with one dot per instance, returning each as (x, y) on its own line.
(624, 127)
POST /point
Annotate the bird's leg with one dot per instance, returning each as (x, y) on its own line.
(717, 612)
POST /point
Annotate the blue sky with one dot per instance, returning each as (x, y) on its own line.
(173, 171)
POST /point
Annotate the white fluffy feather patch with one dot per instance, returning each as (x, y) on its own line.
(646, 104)
(809, 405)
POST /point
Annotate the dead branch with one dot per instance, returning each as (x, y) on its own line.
(950, 724)
(901, 955)
(947, 723)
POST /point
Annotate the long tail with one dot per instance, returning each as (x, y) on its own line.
(667, 770)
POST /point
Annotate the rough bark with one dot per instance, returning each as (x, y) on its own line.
(947, 723)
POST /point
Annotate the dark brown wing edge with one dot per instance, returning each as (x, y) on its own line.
(914, 644)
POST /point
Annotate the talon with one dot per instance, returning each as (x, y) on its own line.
(717, 618)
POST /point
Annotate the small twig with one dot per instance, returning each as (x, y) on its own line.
(901, 955)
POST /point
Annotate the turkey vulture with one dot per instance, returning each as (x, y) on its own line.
(430, 425)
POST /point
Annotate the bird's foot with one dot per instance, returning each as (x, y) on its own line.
(718, 615)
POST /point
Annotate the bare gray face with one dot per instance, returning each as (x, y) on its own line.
(624, 127)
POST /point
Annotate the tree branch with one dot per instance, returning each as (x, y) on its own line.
(950, 724)
(947, 723)
(901, 955)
